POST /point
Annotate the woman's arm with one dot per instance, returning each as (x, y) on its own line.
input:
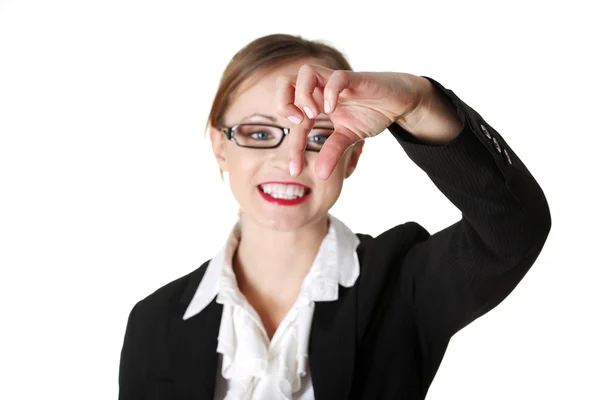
(434, 121)
(466, 269)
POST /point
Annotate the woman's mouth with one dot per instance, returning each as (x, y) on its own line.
(287, 194)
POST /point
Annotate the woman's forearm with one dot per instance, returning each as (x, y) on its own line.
(434, 121)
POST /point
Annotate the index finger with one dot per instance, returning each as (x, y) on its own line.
(297, 144)
(285, 95)
(298, 137)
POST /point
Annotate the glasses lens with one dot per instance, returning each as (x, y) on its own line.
(317, 137)
(257, 135)
(265, 136)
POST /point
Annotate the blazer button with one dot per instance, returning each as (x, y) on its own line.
(497, 145)
(486, 132)
(507, 157)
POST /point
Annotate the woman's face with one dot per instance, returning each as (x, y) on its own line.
(292, 202)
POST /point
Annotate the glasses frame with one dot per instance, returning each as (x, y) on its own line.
(229, 132)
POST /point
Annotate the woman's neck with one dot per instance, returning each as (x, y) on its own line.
(269, 262)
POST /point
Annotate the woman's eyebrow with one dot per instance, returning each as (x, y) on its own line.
(259, 115)
(272, 119)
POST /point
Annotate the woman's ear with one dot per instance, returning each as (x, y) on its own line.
(355, 152)
(218, 141)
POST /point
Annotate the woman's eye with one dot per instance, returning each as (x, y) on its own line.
(260, 135)
(318, 139)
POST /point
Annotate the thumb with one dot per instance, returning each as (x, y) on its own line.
(333, 150)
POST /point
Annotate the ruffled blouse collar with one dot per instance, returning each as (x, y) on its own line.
(279, 364)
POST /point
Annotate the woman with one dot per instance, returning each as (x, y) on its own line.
(297, 306)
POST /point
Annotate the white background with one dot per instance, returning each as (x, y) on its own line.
(108, 188)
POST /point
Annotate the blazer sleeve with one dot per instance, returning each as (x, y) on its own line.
(130, 371)
(461, 272)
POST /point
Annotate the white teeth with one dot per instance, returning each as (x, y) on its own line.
(280, 191)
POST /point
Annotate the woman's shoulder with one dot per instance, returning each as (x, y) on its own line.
(173, 293)
(381, 258)
(398, 238)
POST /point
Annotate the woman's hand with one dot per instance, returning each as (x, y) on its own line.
(360, 105)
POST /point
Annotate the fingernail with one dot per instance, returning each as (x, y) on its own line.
(327, 107)
(293, 169)
(309, 113)
(294, 119)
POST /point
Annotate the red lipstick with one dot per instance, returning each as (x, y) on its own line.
(285, 202)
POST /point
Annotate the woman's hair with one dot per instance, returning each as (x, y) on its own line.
(262, 56)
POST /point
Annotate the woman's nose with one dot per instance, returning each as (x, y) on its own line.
(282, 153)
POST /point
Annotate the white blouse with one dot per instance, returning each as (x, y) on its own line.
(251, 366)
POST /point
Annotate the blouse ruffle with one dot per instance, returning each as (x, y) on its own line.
(256, 367)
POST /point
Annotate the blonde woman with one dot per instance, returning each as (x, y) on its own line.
(296, 305)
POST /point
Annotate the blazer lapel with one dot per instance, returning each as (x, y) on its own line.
(332, 346)
(193, 346)
(194, 359)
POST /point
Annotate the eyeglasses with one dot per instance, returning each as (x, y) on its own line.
(261, 136)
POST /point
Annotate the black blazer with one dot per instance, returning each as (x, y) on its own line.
(385, 337)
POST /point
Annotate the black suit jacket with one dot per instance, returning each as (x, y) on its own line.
(384, 338)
